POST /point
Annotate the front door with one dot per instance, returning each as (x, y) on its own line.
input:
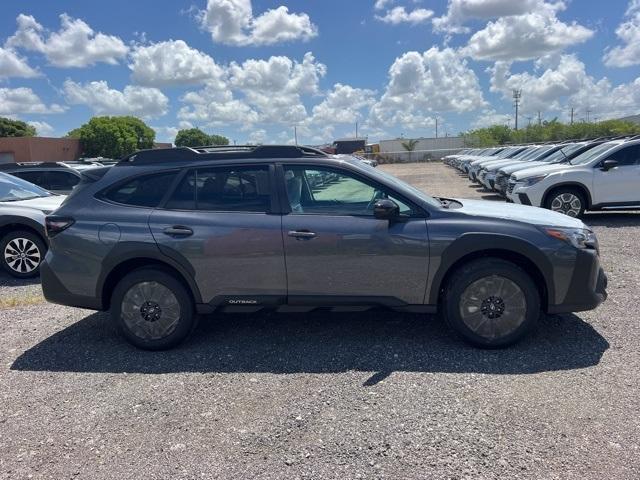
(335, 248)
(219, 221)
(621, 184)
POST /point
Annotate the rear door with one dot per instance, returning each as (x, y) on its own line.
(220, 221)
(338, 252)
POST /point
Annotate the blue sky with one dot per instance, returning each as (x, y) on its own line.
(252, 69)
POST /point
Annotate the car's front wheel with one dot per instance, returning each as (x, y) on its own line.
(152, 309)
(569, 201)
(22, 253)
(491, 302)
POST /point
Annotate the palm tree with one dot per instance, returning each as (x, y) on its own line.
(410, 146)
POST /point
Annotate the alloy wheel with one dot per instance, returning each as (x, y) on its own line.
(22, 255)
(567, 203)
(493, 307)
(150, 310)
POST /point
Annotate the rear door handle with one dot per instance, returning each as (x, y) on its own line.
(301, 234)
(178, 231)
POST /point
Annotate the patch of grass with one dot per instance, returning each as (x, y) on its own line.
(13, 301)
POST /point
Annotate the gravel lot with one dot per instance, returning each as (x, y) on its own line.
(368, 395)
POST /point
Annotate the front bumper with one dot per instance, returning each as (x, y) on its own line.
(587, 288)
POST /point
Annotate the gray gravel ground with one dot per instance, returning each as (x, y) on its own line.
(368, 395)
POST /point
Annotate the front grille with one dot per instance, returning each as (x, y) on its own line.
(511, 186)
(501, 181)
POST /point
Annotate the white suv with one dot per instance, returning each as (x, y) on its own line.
(606, 177)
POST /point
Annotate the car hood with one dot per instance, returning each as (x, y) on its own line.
(519, 213)
(540, 170)
(521, 166)
(43, 204)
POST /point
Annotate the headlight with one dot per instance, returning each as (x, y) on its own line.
(527, 182)
(578, 237)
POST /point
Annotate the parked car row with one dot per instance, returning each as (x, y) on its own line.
(568, 177)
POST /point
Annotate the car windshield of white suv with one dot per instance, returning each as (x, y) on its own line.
(589, 155)
(13, 189)
(563, 153)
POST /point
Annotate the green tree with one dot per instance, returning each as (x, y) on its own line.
(15, 128)
(113, 137)
(194, 137)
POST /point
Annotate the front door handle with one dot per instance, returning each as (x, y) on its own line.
(301, 234)
(178, 231)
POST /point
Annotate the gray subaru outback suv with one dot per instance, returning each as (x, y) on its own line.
(165, 235)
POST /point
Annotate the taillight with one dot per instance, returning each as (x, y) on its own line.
(56, 224)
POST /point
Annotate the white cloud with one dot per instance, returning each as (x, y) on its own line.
(14, 101)
(564, 82)
(232, 22)
(628, 32)
(422, 84)
(133, 100)
(460, 11)
(13, 65)
(489, 118)
(74, 45)
(43, 129)
(343, 104)
(398, 15)
(257, 137)
(172, 62)
(524, 37)
(381, 4)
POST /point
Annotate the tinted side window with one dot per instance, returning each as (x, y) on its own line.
(37, 178)
(62, 180)
(143, 191)
(223, 190)
(626, 156)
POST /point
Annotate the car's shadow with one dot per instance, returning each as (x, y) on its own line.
(612, 219)
(7, 280)
(318, 342)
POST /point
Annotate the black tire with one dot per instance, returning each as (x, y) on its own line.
(26, 241)
(181, 328)
(515, 326)
(559, 195)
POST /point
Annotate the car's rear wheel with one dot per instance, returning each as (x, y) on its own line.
(22, 253)
(491, 302)
(569, 201)
(152, 309)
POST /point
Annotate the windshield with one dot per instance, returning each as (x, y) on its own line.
(522, 154)
(589, 155)
(375, 172)
(563, 154)
(14, 188)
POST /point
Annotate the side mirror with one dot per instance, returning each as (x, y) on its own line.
(608, 165)
(385, 209)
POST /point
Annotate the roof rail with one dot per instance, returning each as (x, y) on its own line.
(221, 152)
(9, 166)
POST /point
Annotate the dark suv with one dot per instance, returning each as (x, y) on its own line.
(54, 177)
(168, 234)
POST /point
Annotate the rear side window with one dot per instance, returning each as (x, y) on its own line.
(35, 177)
(626, 156)
(143, 191)
(223, 190)
(62, 180)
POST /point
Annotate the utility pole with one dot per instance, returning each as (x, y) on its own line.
(588, 112)
(436, 126)
(295, 133)
(539, 118)
(517, 94)
(571, 115)
(356, 129)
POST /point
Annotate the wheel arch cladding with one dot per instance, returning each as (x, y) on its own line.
(10, 224)
(518, 251)
(124, 264)
(568, 185)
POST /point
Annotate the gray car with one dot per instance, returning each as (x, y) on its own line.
(168, 234)
(23, 207)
